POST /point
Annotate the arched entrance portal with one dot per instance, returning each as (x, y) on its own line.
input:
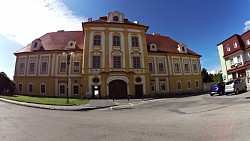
(118, 89)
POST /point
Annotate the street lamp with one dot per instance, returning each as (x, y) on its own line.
(68, 55)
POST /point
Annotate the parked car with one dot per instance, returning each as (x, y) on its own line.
(235, 86)
(217, 88)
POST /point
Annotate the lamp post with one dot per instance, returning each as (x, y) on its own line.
(68, 56)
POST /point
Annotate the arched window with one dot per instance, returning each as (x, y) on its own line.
(116, 40)
(116, 18)
(135, 42)
(97, 40)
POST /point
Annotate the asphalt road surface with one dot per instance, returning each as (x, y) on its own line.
(194, 118)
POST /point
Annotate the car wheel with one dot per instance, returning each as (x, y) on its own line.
(211, 94)
(245, 89)
(236, 91)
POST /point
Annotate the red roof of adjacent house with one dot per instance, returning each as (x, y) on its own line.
(58, 41)
(166, 44)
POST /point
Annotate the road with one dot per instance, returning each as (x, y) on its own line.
(194, 118)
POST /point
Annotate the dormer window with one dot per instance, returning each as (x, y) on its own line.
(36, 44)
(153, 47)
(235, 44)
(182, 48)
(71, 44)
(228, 47)
(116, 18)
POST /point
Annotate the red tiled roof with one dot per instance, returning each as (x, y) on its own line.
(166, 44)
(58, 41)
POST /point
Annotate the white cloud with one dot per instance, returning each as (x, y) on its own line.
(247, 25)
(214, 69)
(25, 20)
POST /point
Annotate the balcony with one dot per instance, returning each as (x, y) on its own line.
(236, 65)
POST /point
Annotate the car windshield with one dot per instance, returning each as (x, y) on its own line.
(230, 82)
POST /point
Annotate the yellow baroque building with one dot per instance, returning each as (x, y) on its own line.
(111, 58)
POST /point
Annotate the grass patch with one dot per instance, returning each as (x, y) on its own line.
(46, 101)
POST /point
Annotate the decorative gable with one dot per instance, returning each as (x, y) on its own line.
(115, 17)
(182, 48)
(36, 44)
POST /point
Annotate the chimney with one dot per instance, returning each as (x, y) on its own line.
(136, 22)
(156, 34)
(89, 19)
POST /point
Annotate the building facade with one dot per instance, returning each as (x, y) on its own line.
(114, 58)
(234, 55)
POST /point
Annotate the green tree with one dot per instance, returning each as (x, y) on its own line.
(7, 86)
(205, 76)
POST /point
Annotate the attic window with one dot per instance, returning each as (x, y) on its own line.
(71, 44)
(35, 45)
(153, 47)
(116, 18)
(182, 48)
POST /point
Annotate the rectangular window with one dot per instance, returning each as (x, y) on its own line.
(177, 67)
(32, 67)
(163, 86)
(76, 67)
(235, 44)
(238, 59)
(179, 85)
(195, 67)
(21, 67)
(20, 87)
(63, 67)
(232, 62)
(186, 68)
(96, 62)
(228, 47)
(160, 67)
(189, 85)
(197, 83)
(44, 66)
(153, 86)
(135, 42)
(62, 89)
(150, 65)
(43, 89)
(136, 61)
(116, 41)
(117, 62)
(30, 88)
(75, 89)
(248, 42)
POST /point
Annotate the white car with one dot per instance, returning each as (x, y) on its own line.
(235, 86)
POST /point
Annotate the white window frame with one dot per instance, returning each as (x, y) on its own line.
(175, 67)
(247, 41)
(76, 70)
(46, 67)
(235, 44)
(60, 69)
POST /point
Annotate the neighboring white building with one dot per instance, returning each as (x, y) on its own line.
(234, 55)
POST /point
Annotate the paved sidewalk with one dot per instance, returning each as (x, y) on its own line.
(93, 104)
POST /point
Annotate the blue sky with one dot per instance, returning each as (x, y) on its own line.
(200, 24)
